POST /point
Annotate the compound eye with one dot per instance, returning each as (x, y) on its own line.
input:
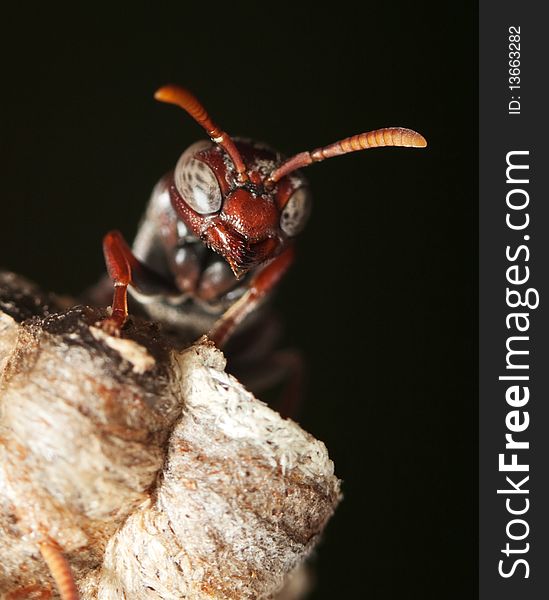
(296, 212)
(196, 182)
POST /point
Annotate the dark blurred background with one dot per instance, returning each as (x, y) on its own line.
(382, 298)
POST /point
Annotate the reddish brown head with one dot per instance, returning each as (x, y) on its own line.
(239, 197)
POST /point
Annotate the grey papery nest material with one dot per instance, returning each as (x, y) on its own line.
(156, 473)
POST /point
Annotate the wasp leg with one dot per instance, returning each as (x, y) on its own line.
(261, 284)
(125, 269)
(60, 570)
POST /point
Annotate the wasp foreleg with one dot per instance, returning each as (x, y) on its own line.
(126, 269)
(261, 284)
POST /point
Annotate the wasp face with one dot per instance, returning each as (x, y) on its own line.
(240, 198)
(245, 222)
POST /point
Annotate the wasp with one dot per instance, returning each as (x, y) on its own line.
(220, 229)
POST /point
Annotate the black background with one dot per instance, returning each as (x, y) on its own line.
(381, 300)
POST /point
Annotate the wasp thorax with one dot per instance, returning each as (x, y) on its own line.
(196, 182)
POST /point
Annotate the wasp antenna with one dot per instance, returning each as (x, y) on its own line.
(60, 570)
(389, 136)
(173, 94)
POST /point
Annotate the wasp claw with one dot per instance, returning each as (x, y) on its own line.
(110, 326)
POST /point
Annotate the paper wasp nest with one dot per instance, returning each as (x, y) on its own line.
(157, 474)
